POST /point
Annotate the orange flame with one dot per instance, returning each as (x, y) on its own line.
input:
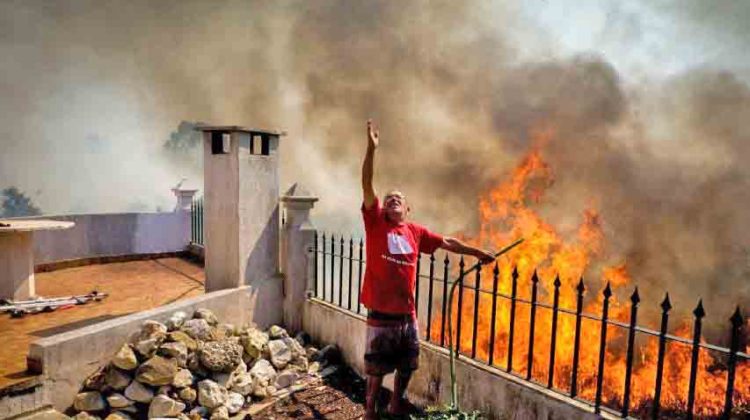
(505, 215)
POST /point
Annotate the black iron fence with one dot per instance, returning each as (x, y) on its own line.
(196, 218)
(339, 272)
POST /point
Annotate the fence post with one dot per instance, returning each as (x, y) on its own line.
(298, 261)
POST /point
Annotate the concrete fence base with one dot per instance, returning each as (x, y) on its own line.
(493, 392)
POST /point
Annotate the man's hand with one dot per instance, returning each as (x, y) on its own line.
(485, 257)
(373, 135)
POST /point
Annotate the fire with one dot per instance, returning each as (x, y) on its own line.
(505, 215)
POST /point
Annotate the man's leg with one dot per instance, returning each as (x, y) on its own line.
(371, 396)
(398, 398)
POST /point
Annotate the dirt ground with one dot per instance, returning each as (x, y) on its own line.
(341, 396)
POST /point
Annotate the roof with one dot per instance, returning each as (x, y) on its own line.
(239, 128)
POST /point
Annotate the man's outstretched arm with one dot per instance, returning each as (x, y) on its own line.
(454, 245)
(368, 190)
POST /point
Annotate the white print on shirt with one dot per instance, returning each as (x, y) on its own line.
(398, 245)
(393, 260)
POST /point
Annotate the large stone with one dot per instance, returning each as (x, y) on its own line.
(176, 320)
(118, 415)
(175, 350)
(221, 413)
(150, 336)
(184, 338)
(84, 416)
(139, 392)
(263, 370)
(118, 400)
(254, 342)
(207, 314)
(234, 402)
(201, 412)
(89, 401)
(117, 379)
(148, 347)
(244, 384)
(97, 381)
(125, 358)
(188, 395)
(221, 356)
(157, 371)
(285, 379)
(276, 332)
(280, 353)
(197, 329)
(182, 379)
(163, 406)
(210, 394)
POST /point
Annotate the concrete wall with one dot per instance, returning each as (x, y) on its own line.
(96, 235)
(495, 393)
(66, 360)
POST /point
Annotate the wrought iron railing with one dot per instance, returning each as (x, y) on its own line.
(339, 270)
(196, 221)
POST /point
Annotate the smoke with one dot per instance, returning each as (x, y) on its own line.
(458, 89)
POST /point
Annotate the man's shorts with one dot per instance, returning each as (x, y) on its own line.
(392, 343)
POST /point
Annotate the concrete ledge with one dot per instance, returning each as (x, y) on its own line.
(66, 359)
(109, 259)
(495, 393)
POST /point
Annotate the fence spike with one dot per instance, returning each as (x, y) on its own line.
(577, 344)
(429, 297)
(512, 327)
(602, 349)
(699, 313)
(461, 265)
(553, 338)
(666, 306)
(446, 264)
(495, 276)
(737, 321)
(532, 325)
(634, 300)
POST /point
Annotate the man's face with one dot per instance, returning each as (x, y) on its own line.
(395, 206)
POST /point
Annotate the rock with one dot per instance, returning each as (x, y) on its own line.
(276, 332)
(223, 379)
(164, 390)
(207, 314)
(197, 329)
(89, 401)
(222, 331)
(280, 353)
(96, 382)
(175, 350)
(234, 402)
(221, 356)
(183, 378)
(221, 413)
(285, 378)
(184, 338)
(157, 371)
(84, 416)
(118, 415)
(254, 342)
(263, 370)
(118, 400)
(117, 379)
(201, 412)
(183, 416)
(163, 406)
(329, 354)
(139, 392)
(244, 384)
(188, 395)
(125, 358)
(210, 394)
(310, 352)
(131, 409)
(148, 339)
(314, 367)
(297, 350)
(176, 320)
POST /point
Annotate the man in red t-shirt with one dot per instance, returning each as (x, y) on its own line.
(393, 245)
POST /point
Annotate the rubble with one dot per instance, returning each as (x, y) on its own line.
(199, 368)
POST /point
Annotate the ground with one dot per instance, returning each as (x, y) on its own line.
(132, 286)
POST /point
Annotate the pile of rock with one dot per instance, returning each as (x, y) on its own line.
(196, 368)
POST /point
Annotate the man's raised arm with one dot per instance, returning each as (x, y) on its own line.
(368, 190)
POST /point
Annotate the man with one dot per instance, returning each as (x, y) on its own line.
(393, 246)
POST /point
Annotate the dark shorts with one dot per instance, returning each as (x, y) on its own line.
(392, 344)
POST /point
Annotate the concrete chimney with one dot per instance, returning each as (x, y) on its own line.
(241, 210)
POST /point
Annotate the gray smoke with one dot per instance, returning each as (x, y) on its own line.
(92, 89)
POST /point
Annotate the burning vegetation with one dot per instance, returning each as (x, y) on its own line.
(549, 270)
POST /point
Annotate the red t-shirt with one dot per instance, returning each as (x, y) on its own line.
(392, 251)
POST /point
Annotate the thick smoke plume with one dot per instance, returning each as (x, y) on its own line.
(92, 89)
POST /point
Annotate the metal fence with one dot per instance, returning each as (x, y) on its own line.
(196, 221)
(339, 272)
